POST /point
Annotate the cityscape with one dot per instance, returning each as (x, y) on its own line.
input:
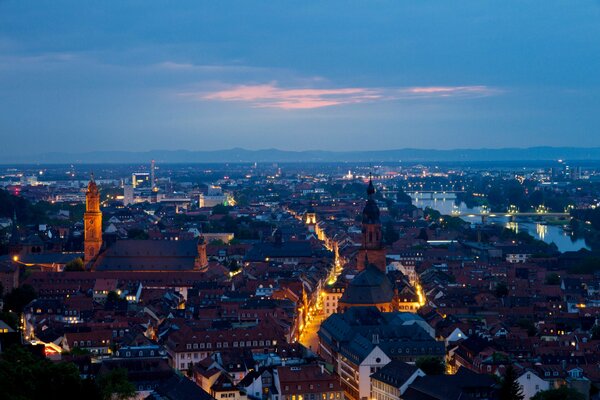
(299, 201)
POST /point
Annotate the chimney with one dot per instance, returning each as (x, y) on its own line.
(375, 338)
(322, 369)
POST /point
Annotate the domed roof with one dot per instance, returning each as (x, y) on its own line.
(370, 213)
(370, 286)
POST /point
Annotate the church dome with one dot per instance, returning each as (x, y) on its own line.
(370, 286)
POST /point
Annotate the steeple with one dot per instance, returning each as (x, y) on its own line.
(371, 211)
(371, 233)
(14, 243)
(92, 221)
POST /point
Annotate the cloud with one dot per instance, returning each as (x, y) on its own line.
(273, 96)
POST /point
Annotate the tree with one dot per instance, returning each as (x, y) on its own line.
(510, 389)
(552, 279)
(402, 197)
(18, 298)
(423, 235)
(74, 265)
(389, 233)
(562, 393)
(501, 289)
(220, 209)
(112, 297)
(11, 319)
(135, 233)
(431, 365)
(595, 331)
(528, 325)
(25, 376)
(115, 385)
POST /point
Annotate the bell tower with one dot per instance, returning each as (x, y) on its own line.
(92, 221)
(372, 248)
(310, 219)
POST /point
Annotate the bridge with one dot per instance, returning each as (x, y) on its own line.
(434, 194)
(512, 215)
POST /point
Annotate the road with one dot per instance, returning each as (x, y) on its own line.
(309, 337)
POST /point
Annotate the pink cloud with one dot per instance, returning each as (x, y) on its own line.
(272, 96)
(452, 90)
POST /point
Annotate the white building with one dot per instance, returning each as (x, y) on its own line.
(531, 384)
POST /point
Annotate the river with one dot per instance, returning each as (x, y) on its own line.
(547, 233)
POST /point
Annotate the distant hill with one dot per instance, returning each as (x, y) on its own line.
(275, 155)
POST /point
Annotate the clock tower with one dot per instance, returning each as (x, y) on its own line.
(92, 221)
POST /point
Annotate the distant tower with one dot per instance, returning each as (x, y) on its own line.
(372, 239)
(152, 181)
(310, 219)
(92, 220)
(201, 261)
(14, 243)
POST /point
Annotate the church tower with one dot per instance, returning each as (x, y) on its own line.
(372, 250)
(310, 219)
(92, 220)
(201, 261)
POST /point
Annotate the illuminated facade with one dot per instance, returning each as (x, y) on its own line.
(92, 220)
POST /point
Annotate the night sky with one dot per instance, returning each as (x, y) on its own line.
(80, 76)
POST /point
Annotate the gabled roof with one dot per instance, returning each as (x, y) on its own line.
(396, 373)
(148, 255)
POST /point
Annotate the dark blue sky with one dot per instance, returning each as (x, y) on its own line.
(346, 75)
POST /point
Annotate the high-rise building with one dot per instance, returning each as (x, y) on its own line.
(92, 221)
(140, 179)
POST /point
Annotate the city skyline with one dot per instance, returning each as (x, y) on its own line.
(297, 76)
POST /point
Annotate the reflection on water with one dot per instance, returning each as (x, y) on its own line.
(541, 230)
(548, 233)
(513, 226)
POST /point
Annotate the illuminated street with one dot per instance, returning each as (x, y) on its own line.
(309, 337)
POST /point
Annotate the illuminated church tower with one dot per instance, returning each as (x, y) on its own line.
(92, 220)
(310, 219)
(372, 250)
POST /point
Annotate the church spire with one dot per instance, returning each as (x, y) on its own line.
(370, 188)
(371, 233)
(14, 235)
